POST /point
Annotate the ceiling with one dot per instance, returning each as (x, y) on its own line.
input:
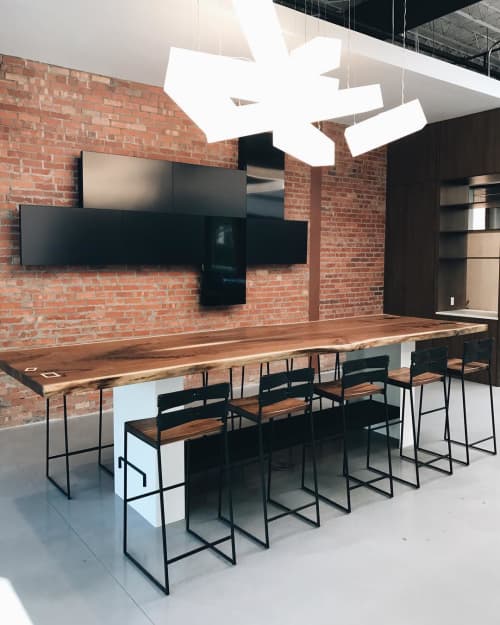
(454, 30)
(131, 40)
(465, 34)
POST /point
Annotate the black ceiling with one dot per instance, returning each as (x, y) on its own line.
(375, 18)
(376, 15)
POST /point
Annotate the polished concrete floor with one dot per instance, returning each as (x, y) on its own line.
(426, 556)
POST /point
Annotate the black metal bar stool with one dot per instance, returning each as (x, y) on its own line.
(208, 416)
(231, 415)
(336, 371)
(476, 357)
(427, 366)
(360, 379)
(280, 394)
(66, 454)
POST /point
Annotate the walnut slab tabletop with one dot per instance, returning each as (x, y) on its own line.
(107, 364)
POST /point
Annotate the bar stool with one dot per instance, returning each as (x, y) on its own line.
(280, 394)
(319, 372)
(476, 357)
(427, 366)
(66, 454)
(361, 378)
(184, 424)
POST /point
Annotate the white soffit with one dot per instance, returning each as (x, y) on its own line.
(131, 40)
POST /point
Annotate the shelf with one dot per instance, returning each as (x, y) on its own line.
(466, 313)
(486, 205)
(469, 258)
(468, 231)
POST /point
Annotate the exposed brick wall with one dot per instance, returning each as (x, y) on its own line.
(353, 198)
(47, 116)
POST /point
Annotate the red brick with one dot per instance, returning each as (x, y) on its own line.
(42, 132)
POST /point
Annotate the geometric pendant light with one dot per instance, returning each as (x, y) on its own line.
(280, 92)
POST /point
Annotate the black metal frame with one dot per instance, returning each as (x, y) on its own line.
(474, 351)
(355, 372)
(433, 360)
(273, 388)
(166, 421)
(66, 453)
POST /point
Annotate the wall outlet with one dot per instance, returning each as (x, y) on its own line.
(452, 301)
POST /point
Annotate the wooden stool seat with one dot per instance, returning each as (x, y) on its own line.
(455, 365)
(182, 416)
(402, 376)
(250, 407)
(146, 430)
(333, 390)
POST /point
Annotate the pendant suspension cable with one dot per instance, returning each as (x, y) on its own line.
(393, 25)
(403, 71)
(198, 34)
(219, 37)
(354, 28)
(305, 21)
(349, 45)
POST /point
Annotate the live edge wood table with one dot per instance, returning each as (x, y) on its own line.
(139, 369)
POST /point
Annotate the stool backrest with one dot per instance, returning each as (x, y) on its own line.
(286, 385)
(211, 403)
(364, 370)
(478, 350)
(432, 360)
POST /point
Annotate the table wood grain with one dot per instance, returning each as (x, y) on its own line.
(107, 364)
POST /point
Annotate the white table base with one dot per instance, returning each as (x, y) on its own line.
(399, 356)
(138, 401)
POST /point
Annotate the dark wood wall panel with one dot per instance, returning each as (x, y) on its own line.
(421, 248)
(414, 159)
(416, 166)
(462, 143)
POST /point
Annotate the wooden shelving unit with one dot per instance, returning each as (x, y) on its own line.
(469, 245)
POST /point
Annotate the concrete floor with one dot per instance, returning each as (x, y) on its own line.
(424, 557)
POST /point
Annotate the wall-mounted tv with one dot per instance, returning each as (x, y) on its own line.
(140, 211)
(65, 235)
(125, 183)
(223, 277)
(265, 170)
(145, 184)
(276, 241)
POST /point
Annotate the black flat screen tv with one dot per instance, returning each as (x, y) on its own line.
(276, 241)
(143, 184)
(65, 235)
(223, 276)
(119, 182)
(265, 169)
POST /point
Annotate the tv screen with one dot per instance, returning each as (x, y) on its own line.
(125, 183)
(276, 242)
(223, 278)
(142, 184)
(208, 191)
(265, 169)
(65, 235)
